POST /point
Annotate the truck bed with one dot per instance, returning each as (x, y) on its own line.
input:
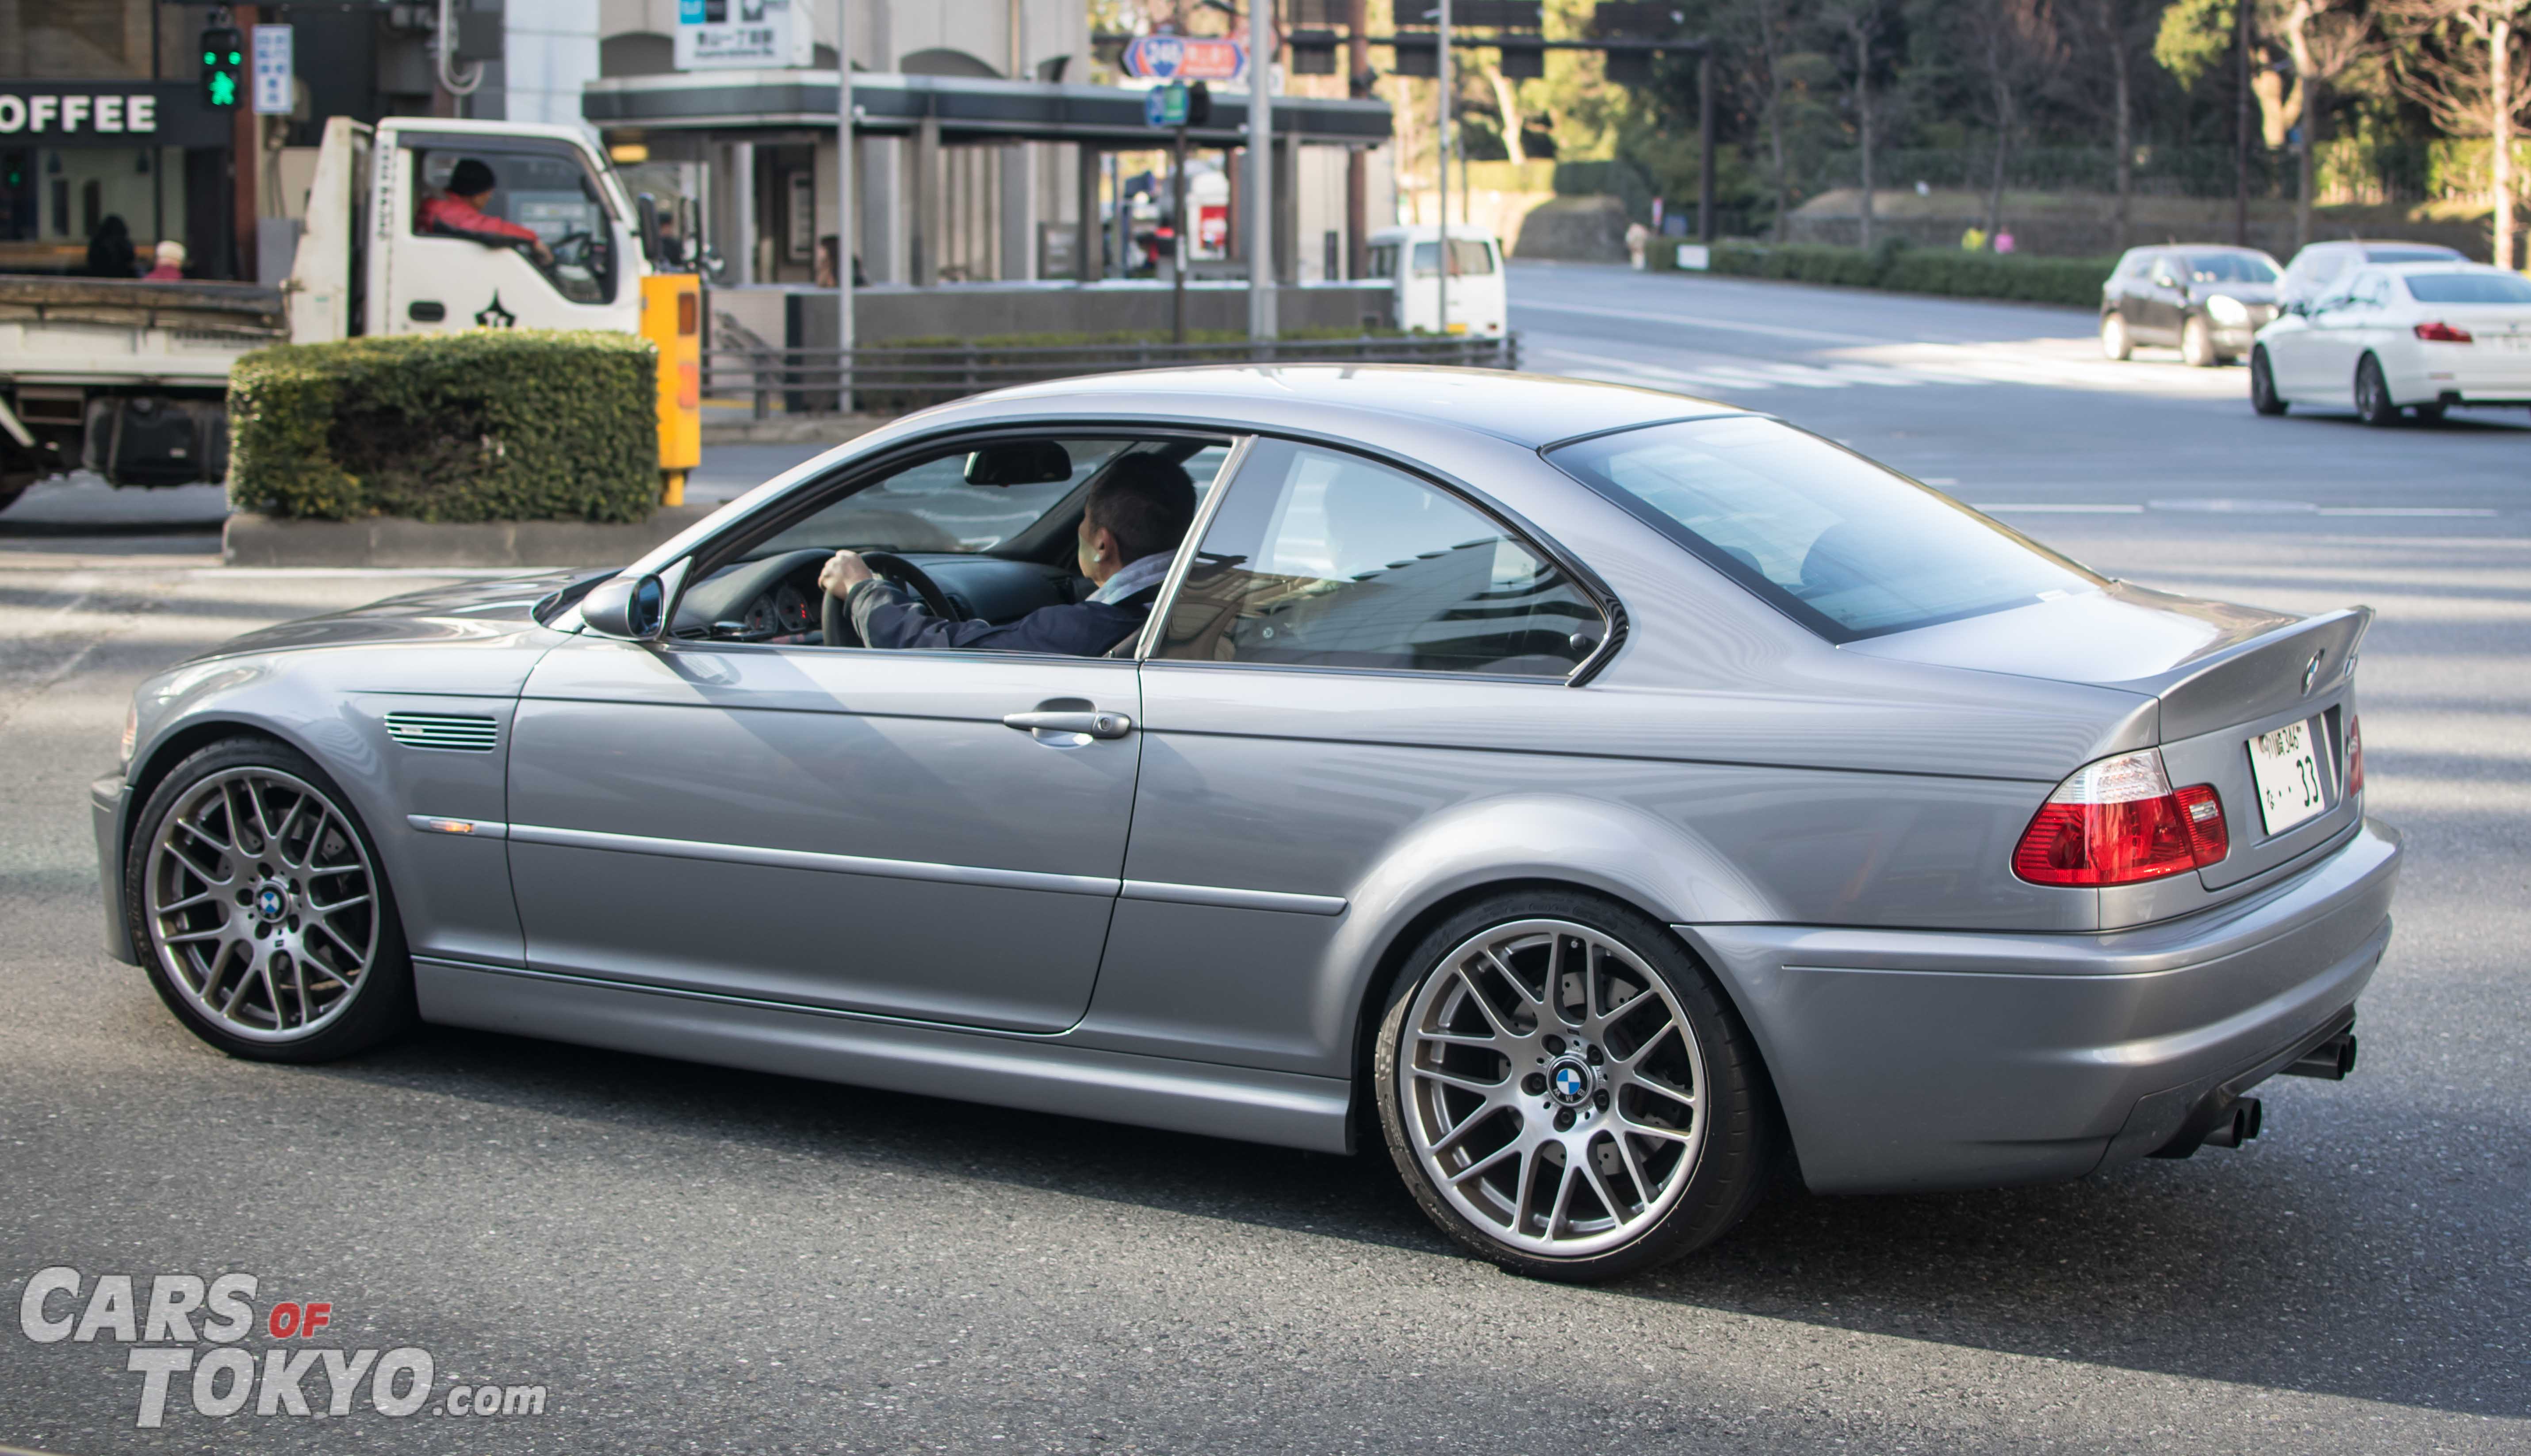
(113, 331)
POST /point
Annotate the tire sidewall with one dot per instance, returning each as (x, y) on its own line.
(2377, 409)
(382, 1005)
(1738, 1154)
(2263, 383)
(2197, 341)
(2115, 342)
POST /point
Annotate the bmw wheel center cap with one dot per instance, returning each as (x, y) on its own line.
(1569, 1082)
(269, 902)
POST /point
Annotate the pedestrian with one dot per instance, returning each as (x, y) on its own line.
(171, 264)
(2003, 242)
(1973, 239)
(109, 252)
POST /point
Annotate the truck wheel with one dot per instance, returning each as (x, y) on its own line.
(1567, 1092)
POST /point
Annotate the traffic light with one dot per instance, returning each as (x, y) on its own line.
(223, 67)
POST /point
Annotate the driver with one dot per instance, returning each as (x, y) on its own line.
(1130, 529)
(459, 211)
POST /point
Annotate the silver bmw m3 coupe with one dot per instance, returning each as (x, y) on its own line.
(1599, 799)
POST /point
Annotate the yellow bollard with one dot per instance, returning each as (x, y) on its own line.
(672, 307)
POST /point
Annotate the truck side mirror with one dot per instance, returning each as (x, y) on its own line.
(632, 610)
(645, 213)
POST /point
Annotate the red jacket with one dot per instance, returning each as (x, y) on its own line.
(447, 214)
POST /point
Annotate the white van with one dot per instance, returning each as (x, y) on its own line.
(1407, 258)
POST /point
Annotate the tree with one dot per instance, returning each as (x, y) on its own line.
(1858, 25)
(2016, 47)
(2464, 61)
(2322, 43)
(2113, 30)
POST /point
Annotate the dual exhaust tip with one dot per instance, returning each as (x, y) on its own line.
(2227, 1119)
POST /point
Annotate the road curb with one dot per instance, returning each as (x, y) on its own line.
(251, 539)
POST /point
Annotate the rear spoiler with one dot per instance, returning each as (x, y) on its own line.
(2252, 679)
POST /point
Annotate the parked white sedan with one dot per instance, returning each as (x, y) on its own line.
(2389, 338)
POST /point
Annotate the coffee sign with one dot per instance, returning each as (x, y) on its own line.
(104, 114)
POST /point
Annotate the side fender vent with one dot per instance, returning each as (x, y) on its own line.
(457, 732)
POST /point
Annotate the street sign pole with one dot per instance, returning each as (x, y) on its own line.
(1260, 175)
(1441, 160)
(844, 209)
(1178, 232)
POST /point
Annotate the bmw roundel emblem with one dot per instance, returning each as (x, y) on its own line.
(268, 902)
(1568, 1083)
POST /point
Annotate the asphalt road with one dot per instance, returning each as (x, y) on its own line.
(691, 1259)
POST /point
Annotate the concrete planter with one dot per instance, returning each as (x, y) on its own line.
(250, 540)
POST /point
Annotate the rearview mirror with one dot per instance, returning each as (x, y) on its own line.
(632, 610)
(1019, 463)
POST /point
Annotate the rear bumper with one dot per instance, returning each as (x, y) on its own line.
(1924, 1059)
(105, 815)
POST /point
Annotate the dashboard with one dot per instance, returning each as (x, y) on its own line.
(775, 599)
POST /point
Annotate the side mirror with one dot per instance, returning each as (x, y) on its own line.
(633, 610)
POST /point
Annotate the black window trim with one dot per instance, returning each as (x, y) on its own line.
(1757, 584)
(1612, 614)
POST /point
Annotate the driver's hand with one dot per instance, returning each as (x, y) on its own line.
(841, 575)
(543, 254)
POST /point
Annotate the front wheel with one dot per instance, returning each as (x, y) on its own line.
(1567, 1092)
(2115, 341)
(2262, 384)
(2197, 343)
(2372, 393)
(258, 910)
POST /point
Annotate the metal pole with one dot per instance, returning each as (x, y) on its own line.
(1177, 237)
(1705, 145)
(844, 208)
(2241, 137)
(1441, 165)
(1260, 171)
(1357, 160)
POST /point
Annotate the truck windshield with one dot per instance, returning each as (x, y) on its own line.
(1839, 543)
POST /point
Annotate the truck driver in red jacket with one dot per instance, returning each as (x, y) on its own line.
(459, 211)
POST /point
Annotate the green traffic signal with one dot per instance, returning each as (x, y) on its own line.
(223, 88)
(222, 82)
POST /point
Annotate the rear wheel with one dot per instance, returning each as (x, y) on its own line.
(258, 910)
(2372, 393)
(2197, 343)
(2115, 342)
(2263, 385)
(1567, 1092)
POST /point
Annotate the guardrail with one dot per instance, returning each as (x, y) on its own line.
(889, 380)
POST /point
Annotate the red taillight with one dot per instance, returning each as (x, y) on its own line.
(2354, 754)
(2442, 333)
(2118, 821)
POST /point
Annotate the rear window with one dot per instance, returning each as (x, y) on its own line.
(1469, 257)
(2230, 267)
(2468, 288)
(2407, 254)
(1836, 543)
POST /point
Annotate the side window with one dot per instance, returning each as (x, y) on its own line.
(1324, 559)
(539, 193)
(1383, 260)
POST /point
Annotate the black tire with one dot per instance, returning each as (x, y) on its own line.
(2263, 385)
(2372, 393)
(1708, 1188)
(378, 1004)
(2197, 342)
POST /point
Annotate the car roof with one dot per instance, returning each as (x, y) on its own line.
(2438, 265)
(2451, 254)
(1528, 409)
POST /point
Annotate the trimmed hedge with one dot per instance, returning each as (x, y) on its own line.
(1895, 266)
(488, 424)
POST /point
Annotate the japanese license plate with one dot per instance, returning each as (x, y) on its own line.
(2286, 765)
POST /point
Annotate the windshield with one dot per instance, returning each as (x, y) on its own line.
(2407, 254)
(1840, 544)
(2230, 267)
(2468, 288)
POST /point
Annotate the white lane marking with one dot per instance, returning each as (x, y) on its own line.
(2406, 511)
(1691, 320)
(2050, 507)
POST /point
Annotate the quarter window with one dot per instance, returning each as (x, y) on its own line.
(1324, 559)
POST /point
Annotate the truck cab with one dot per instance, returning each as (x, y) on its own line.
(1409, 257)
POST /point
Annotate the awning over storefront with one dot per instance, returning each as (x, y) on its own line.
(967, 110)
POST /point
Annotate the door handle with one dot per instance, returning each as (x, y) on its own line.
(1094, 724)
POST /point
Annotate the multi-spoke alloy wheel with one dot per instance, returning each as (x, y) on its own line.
(1558, 1102)
(262, 913)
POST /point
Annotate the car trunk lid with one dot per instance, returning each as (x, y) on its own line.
(2219, 675)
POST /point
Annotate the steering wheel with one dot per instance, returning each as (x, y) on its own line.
(559, 246)
(838, 623)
